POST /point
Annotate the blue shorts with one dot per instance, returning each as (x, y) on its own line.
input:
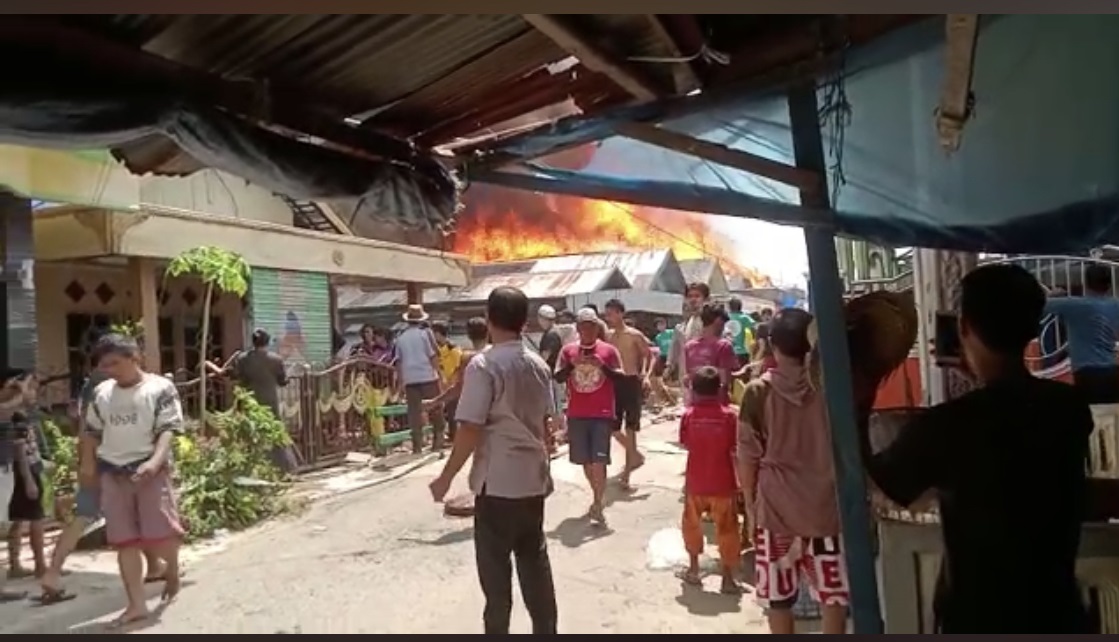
(588, 440)
(87, 505)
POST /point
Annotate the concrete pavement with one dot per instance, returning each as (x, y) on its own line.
(385, 560)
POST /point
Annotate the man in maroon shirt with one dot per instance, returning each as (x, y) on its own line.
(709, 431)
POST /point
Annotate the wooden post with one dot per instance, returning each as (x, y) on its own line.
(415, 294)
(143, 277)
(827, 305)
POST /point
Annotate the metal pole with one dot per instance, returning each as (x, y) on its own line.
(827, 305)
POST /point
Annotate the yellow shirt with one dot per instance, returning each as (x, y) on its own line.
(450, 358)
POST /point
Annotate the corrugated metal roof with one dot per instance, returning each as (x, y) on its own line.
(698, 270)
(537, 285)
(640, 268)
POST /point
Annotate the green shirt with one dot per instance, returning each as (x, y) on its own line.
(737, 329)
(664, 341)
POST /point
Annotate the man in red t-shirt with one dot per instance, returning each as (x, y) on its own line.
(589, 368)
(709, 431)
(711, 349)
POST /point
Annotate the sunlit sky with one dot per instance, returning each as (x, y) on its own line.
(776, 250)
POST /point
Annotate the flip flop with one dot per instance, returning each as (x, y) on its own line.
(122, 621)
(689, 578)
(50, 597)
(155, 579)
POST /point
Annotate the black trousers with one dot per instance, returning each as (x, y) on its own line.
(507, 530)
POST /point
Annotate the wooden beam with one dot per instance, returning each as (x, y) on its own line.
(801, 179)
(591, 56)
(961, 38)
(335, 220)
(683, 73)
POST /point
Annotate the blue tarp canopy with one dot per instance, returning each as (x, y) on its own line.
(1038, 170)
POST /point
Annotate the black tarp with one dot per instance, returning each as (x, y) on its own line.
(58, 102)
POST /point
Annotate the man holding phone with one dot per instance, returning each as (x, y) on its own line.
(993, 456)
(590, 369)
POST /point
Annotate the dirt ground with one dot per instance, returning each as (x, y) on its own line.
(385, 560)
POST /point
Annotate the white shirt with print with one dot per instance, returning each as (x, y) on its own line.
(128, 420)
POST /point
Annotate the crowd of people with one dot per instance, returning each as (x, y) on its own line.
(127, 420)
(762, 473)
(773, 456)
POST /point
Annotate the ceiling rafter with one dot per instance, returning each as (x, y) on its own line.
(256, 102)
(683, 73)
(592, 56)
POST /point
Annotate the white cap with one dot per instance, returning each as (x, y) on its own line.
(546, 312)
(586, 315)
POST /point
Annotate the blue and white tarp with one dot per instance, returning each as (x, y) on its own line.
(1038, 170)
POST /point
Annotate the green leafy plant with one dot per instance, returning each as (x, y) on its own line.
(64, 456)
(219, 270)
(229, 480)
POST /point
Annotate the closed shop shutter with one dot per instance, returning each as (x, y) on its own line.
(294, 307)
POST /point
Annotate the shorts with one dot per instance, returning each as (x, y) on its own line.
(660, 366)
(87, 503)
(7, 487)
(140, 513)
(22, 508)
(782, 562)
(743, 360)
(628, 402)
(588, 440)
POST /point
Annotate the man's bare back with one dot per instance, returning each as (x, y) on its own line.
(633, 347)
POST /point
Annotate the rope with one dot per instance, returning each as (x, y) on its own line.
(705, 53)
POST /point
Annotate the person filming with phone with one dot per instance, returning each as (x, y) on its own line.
(995, 457)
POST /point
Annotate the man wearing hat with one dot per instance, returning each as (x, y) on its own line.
(550, 345)
(417, 372)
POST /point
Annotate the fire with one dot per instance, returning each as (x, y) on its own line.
(504, 225)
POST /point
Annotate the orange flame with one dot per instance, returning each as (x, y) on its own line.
(504, 225)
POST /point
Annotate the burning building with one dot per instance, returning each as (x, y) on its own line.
(498, 224)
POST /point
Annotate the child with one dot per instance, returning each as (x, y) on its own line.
(709, 431)
(26, 506)
(131, 421)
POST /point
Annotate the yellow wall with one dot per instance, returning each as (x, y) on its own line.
(53, 304)
(95, 179)
(214, 192)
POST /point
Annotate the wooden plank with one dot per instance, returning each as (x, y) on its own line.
(591, 56)
(801, 179)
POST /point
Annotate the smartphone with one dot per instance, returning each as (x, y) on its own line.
(946, 343)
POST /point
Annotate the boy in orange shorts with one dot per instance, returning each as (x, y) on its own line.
(709, 431)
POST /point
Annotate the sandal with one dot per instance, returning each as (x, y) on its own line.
(689, 577)
(51, 597)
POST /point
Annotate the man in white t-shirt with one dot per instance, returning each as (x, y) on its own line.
(132, 419)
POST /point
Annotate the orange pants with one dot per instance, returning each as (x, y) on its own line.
(724, 513)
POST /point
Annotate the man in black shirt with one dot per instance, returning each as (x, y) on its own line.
(1007, 462)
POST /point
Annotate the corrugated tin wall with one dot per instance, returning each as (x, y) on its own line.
(21, 336)
(294, 307)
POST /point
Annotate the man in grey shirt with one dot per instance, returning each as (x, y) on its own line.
(417, 371)
(504, 416)
(261, 371)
